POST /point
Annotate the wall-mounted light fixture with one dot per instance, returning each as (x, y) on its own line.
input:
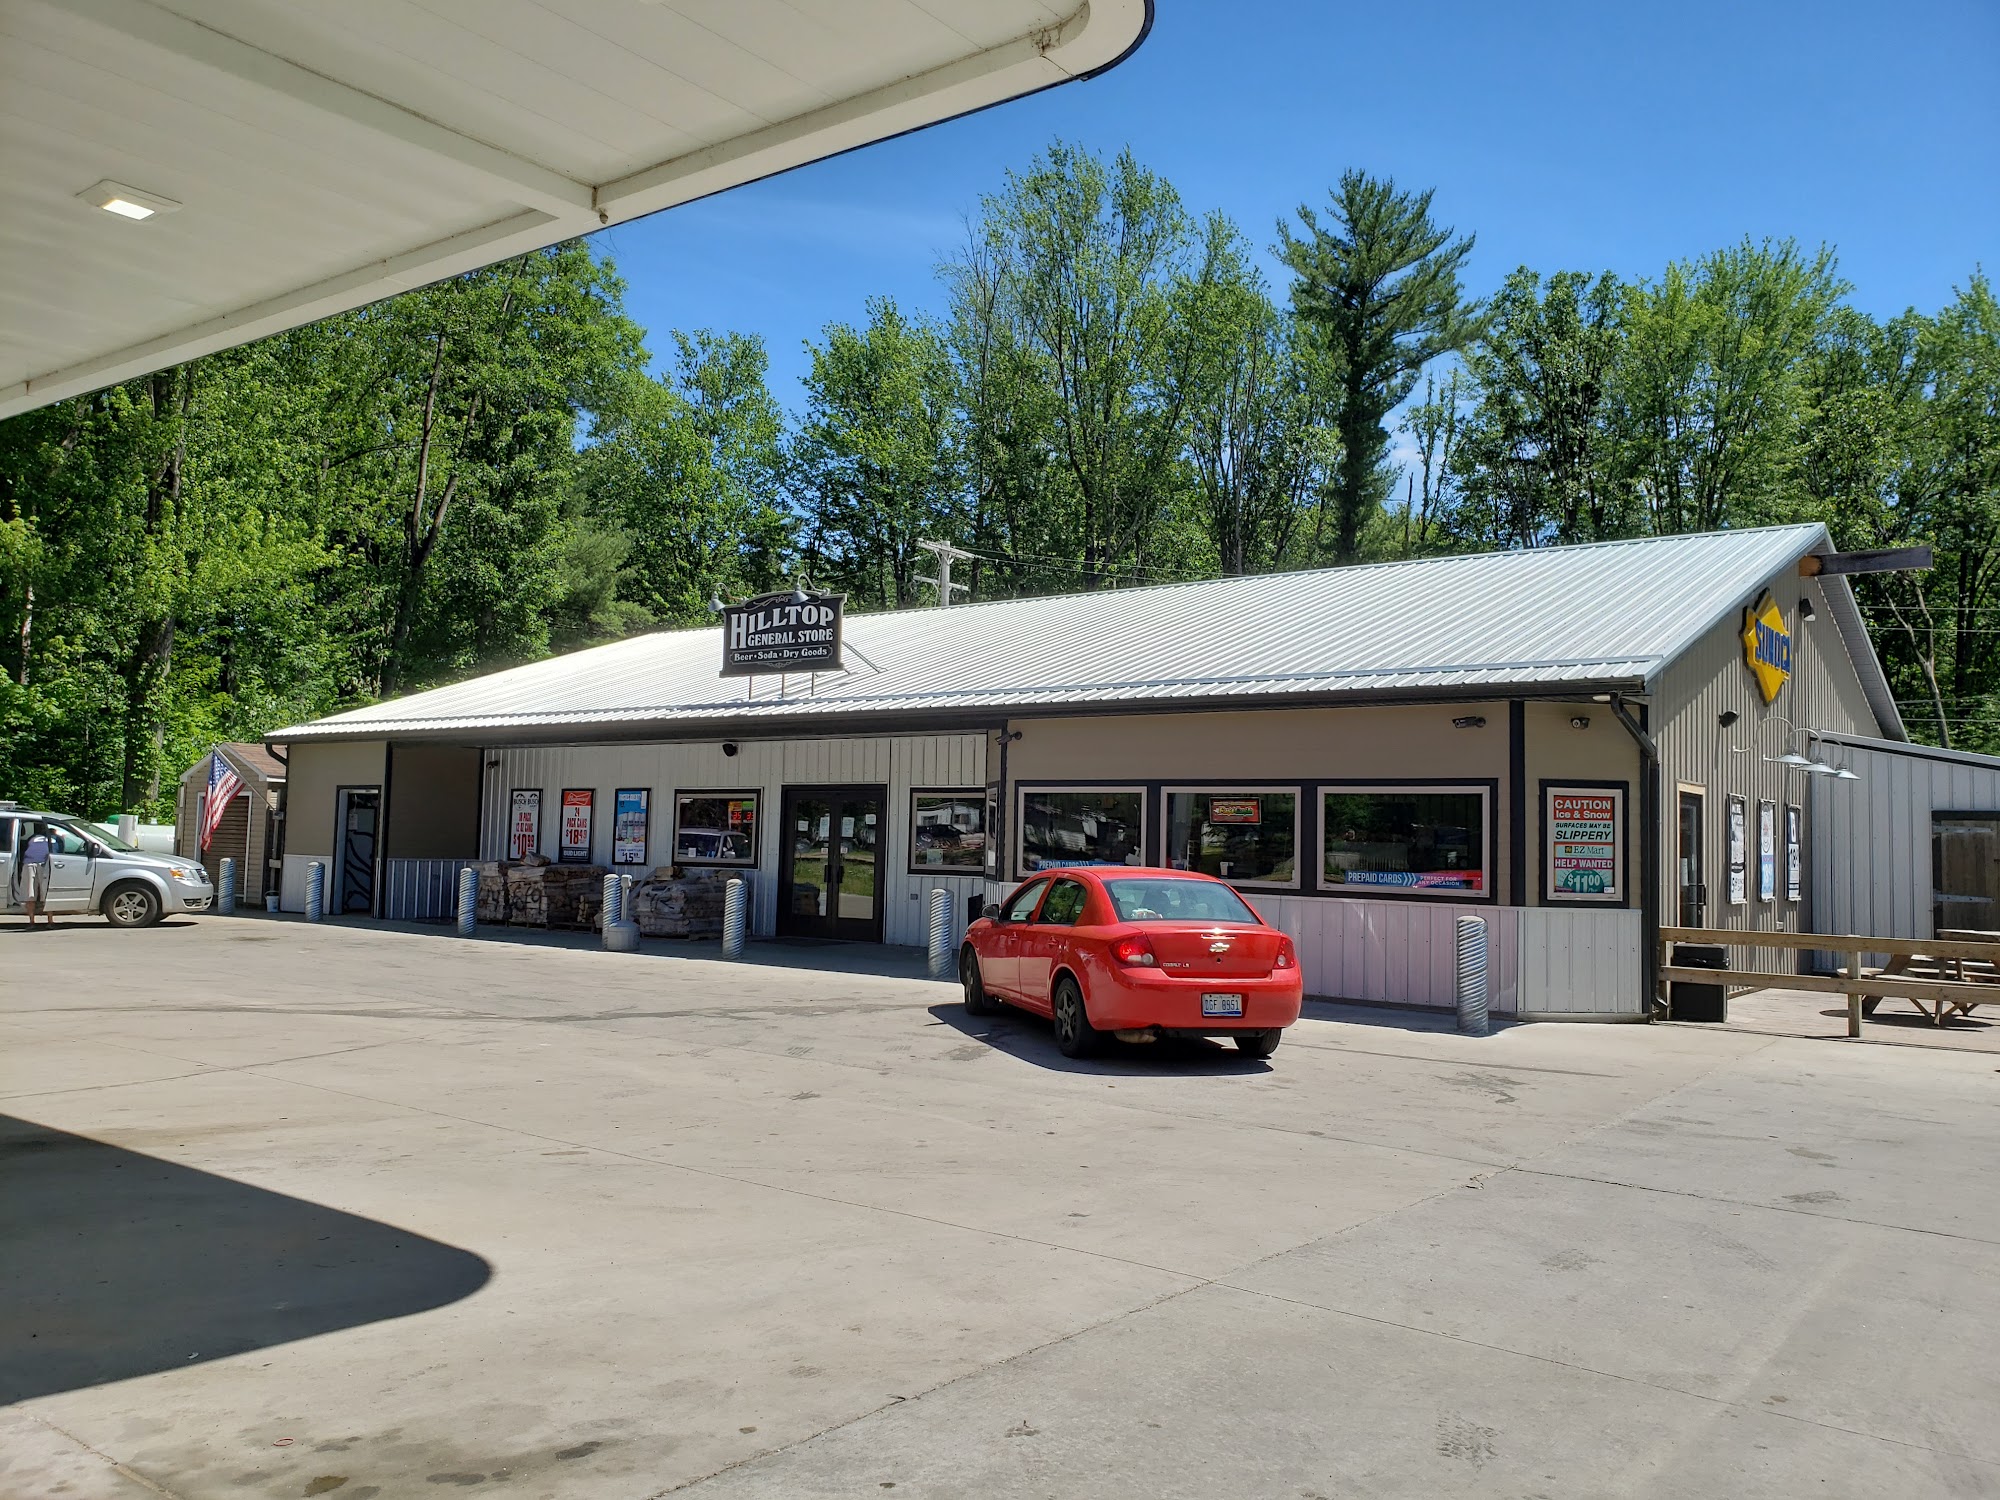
(1469, 721)
(1579, 721)
(1004, 738)
(1806, 611)
(1726, 718)
(493, 764)
(729, 747)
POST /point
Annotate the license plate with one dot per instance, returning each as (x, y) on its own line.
(1222, 1005)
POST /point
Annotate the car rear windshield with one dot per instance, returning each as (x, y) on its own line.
(1169, 900)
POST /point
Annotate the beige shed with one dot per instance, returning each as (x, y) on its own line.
(250, 830)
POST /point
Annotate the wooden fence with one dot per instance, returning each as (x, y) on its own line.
(1938, 997)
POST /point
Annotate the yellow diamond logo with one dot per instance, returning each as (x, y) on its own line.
(1767, 646)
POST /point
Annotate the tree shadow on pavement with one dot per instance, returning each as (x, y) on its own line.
(115, 1264)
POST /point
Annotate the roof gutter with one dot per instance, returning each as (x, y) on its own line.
(934, 720)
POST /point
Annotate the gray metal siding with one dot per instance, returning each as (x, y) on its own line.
(1825, 694)
(1872, 838)
(901, 763)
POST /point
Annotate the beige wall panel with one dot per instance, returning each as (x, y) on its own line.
(1552, 750)
(317, 772)
(1272, 744)
(434, 803)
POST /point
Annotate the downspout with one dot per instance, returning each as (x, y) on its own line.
(282, 821)
(1649, 853)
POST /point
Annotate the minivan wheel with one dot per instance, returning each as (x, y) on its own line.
(1075, 1036)
(1258, 1043)
(132, 905)
(977, 1001)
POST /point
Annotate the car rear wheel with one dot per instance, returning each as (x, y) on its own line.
(131, 905)
(1258, 1043)
(977, 1001)
(1075, 1036)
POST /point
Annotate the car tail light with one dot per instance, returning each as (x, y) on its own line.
(1134, 952)
(1287, 958)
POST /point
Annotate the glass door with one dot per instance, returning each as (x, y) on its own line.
(1687, 862)
(354, 892)
(830, 884)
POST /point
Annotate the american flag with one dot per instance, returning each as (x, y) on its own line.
(223, 785)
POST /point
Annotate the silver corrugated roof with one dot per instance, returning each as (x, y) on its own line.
(1609, 614)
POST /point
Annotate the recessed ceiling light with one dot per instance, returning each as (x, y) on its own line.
(126, 202)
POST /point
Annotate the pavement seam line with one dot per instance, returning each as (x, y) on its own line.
(1776, 1208)
(1651, 1385)
(1162, 1300)
(117, 1467)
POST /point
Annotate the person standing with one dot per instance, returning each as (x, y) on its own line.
(31, 876)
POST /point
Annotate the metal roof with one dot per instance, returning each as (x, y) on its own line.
(1557, 620)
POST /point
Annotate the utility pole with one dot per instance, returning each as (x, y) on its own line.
(946, 555)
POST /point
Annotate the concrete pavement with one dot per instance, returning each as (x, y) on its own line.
(291, 1210)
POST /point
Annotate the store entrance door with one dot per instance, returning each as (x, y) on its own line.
(830, 882)
(1688, 860)
(354, 873)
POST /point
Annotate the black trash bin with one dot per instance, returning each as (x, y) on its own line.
(1688, 1001)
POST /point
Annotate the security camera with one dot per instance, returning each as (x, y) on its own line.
(729, 747)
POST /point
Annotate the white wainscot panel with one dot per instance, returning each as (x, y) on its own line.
(1576, 961)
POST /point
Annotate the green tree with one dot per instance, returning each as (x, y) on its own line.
(878, 462)
(1382, 279)
(1711, 389)
(1536, 461)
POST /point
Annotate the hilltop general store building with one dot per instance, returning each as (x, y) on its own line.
(1580, 743)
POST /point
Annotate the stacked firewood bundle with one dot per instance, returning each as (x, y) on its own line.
(687, 906)
(493, 890)
(540, 894)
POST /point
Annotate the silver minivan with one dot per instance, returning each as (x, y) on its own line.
(90, 870)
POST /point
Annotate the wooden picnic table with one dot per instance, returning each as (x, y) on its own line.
(1945, 965)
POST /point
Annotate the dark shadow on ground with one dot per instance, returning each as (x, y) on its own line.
(1030, 1038)
(115, 1264)
(1394, 1017)
(1912, 1017)
(71, 921)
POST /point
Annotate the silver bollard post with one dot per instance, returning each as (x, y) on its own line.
(315, 890)
(225, 888)
(612, 914)
(1472, 975)
(468, 900)
(735, 916)
(938, 934)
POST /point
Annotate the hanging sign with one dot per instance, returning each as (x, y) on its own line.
(628, 825)
(573, 845)
(1767, 646)
(1794, 873)
(1739, 854)
(1240, 810)
(524, 828)
(1583, 834)
(782, 633)
(1767, 851)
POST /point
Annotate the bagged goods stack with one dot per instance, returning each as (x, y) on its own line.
(690, 906)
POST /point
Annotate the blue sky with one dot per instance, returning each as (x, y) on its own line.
(1565, 135)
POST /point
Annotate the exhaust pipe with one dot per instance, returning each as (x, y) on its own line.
(1139, 1034)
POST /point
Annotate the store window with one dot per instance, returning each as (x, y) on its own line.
(715, 828)
(1099, 826)
(1244, 837)
(948, 831)
(1413, 840)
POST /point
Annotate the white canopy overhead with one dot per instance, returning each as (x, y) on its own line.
(301, 158)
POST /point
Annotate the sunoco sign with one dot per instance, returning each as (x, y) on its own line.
(778, 633)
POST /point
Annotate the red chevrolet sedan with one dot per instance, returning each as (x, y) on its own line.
(1135, 954)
